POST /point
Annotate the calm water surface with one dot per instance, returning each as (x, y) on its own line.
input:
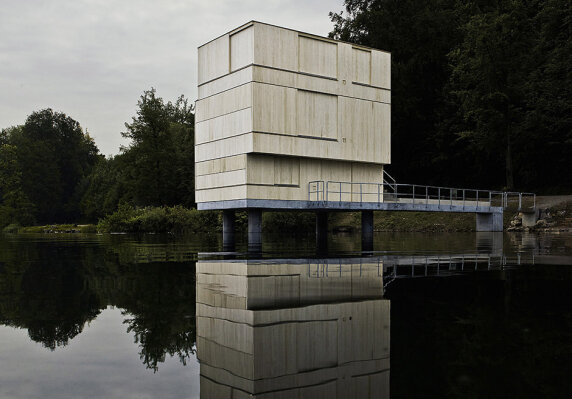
(424, 315)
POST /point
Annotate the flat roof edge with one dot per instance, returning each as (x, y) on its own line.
(312, 35)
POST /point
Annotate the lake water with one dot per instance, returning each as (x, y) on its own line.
(422, 316)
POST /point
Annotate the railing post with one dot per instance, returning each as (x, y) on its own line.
(477, 199)
(490, 198)
(426, 195)
(451, 197)
(360, 193)
(378, 192)
(327, 188)
(463, 199)
(413, 199)
(439, 197)
(519, 201)
(341, 192)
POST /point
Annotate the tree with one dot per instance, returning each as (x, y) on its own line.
(487, 80)
(548, 100)
(159, 161)
(15, 207)
(481, 89)
(419, 34)
(104, 188)
(53, 156)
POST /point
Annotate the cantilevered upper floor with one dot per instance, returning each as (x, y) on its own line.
(278, 109)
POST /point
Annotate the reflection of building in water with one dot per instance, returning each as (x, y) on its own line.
(292, 329)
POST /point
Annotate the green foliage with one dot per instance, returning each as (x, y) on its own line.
(15, 207)
(288, 222)
(480, 89)
(419, 34)
(176, 219)
(11, 228)
(489, 69)
(159, 162)
(47, 158)
(155, 170)
(59, 228)
(104, 188)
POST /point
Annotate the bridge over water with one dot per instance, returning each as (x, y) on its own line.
(336, 196)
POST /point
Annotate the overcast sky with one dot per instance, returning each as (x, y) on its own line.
(92, 59)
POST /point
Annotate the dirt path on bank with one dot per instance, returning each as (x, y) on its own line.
(548, 201)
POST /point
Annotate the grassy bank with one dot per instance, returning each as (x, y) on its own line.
(52, 228)
(405, 221)
(556, 212)
(176, 219)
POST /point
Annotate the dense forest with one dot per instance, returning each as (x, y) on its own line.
(481, 97)
(481, 89)
(52, 172)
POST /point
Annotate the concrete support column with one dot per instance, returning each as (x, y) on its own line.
(367, 230)
(254, 230)
(489, 221)
(228, 240)
(322, 231)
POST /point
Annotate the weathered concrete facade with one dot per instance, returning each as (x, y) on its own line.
(279, 108)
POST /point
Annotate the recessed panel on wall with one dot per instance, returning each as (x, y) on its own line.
(382, 124)
(274, 109)
(241, 48)
(213, 59)
(362, 65)
(287, 171)
(260, 169)
(357, 127)
(275, 47)
(318, 57)
(317, 114)
(381, 69)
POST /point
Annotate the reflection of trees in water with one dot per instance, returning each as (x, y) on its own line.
(53, 289)
(156, 339)
(41, 289)
(476, 337)
(160, 311)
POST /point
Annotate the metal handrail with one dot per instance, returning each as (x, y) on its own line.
(392, 183)
(343, 191)
(314, 188)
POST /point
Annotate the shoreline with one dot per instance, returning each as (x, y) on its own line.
(555, 216)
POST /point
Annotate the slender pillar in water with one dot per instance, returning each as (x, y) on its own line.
(255, 230)
(322, 231)
(228, 241)
(367, 230)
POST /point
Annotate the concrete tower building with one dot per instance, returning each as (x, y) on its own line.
(279, 109)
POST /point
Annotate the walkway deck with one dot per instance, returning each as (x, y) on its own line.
(399, 205)
(330, 196)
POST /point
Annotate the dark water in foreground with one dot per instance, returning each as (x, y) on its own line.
(440, 315)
